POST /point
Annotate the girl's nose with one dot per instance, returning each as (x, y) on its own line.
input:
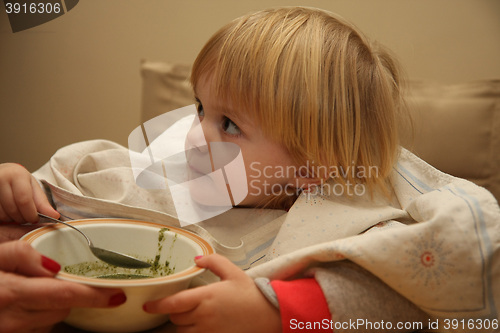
(196, 137)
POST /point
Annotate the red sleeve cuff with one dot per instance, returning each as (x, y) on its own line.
(303, 306)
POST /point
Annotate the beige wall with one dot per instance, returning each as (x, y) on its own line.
(77, 77)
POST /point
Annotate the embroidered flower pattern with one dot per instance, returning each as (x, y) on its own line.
(428, 261)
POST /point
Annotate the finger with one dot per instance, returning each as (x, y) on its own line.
(183, 301)
(3, 215)
(221, 266)
(53, 294)
(4, 195)
(183, 319)
(20, 258)
(6, 199)
(41, 202)
(13, 231)
(44, 319)
(41, 319)
(9, 211)
(22, 191)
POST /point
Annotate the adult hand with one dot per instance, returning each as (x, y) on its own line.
(234, 304)
(13, 231)
(21, 197)
(32, 300)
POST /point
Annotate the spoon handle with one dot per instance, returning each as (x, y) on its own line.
(66, 224)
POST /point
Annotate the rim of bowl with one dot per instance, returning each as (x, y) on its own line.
(185, 274)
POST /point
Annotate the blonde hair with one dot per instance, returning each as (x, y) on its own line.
(314, 84)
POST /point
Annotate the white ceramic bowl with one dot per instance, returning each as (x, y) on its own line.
(141, 239)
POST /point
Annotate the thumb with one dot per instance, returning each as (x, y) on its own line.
(220, 266)
(19, 257)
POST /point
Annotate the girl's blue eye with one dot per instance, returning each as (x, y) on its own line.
(199, 109)
(230, 127)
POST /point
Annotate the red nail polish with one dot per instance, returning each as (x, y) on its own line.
(117, 299)
(50, 264)
(144, 308)
(198, 257)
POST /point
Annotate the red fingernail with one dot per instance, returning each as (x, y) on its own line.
(117, 299)
(198, 257)
(50, 264)
(145, 308)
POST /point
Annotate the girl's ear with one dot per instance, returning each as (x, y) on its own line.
(303, 180)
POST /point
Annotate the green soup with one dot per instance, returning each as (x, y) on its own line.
(99, 269)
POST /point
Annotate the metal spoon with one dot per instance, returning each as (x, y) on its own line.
(111, 257)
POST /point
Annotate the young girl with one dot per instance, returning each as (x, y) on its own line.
(315, 109)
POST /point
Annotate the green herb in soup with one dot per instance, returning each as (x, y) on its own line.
(100, 269)
(123, 276)
(156, 265)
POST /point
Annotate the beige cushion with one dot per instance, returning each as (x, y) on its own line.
(456, 127)
(165, 87)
